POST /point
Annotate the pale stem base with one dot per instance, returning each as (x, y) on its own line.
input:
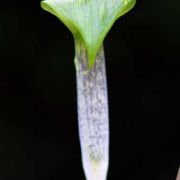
(92, 114)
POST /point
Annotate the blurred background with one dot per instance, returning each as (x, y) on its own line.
(38, 123)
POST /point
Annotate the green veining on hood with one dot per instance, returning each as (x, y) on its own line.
(89, 19)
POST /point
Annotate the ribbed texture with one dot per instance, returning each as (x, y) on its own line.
(89, 19)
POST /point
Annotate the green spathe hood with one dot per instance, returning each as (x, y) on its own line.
(89, 20)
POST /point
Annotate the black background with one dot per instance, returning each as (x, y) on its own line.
(38, 124)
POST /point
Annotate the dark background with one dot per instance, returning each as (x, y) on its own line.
(38, 124)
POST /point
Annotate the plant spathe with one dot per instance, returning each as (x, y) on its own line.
(89, 20)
